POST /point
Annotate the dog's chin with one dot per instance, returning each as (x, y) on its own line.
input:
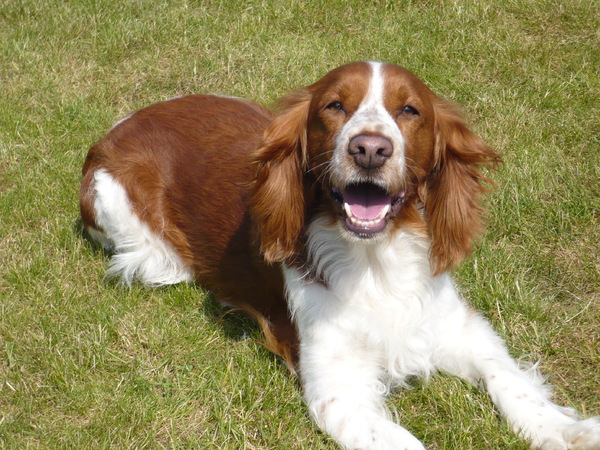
(366, 210)
(361, 237)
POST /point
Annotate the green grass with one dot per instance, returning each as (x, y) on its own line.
(86, 364)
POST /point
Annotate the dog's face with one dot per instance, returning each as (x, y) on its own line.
(384, 150)
(370, 143)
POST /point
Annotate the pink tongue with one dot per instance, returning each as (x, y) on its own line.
(366, 201)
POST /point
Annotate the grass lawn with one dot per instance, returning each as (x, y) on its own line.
(87, 364)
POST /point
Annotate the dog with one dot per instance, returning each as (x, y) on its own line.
(335, 223)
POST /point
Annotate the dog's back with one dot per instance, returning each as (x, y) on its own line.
(167, 191)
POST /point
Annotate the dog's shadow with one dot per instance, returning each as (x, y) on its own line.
(235, 324)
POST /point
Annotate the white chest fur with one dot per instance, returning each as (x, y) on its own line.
(379, 302)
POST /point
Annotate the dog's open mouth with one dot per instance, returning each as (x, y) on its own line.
(366, 207)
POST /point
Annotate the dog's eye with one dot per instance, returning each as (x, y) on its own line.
(408, 110)
(335, 106)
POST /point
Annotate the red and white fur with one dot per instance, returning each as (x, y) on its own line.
(334, 223)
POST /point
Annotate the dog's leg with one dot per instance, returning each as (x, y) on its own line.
(341, 373)
(345, 398)
(471, 349)
(139, 253)
(344, 393)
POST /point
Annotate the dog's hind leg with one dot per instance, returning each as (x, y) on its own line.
(139, 252)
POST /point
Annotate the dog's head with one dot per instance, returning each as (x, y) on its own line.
(373, 146)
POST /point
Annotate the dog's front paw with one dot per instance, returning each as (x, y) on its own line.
(577, 435)
(381, 436)
(584, 434)
(361, 427)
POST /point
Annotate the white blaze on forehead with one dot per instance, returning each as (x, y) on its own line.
(373, 101)
(372, 111)
(372, 117)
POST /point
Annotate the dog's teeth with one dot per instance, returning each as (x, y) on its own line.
(384, 212)
(348, 210)
(364, 223)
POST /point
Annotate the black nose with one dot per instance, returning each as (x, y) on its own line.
(370, 151)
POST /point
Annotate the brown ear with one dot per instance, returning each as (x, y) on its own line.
(278, 204)
(453, 188)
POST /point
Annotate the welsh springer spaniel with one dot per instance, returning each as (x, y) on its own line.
(334, 223)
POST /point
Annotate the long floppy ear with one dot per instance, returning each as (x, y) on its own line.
(278, 204)
(454, 187)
